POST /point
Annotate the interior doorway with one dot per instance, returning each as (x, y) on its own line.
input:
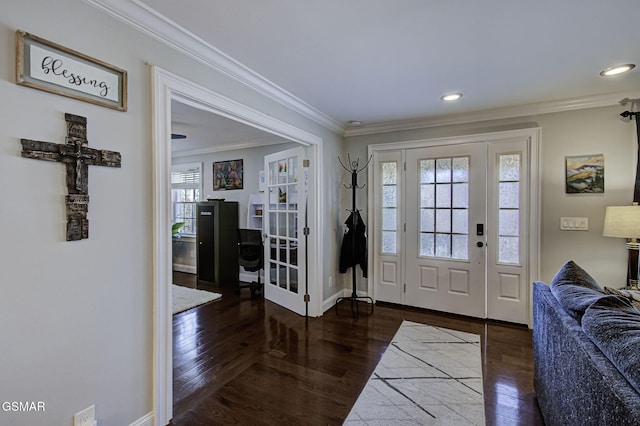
(455, 224)
(288, 186)
(168, 87)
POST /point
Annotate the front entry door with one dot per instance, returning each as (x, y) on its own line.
(450, 228)
(284, 245)
(446, 207)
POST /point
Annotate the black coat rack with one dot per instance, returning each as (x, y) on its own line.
(354, 168)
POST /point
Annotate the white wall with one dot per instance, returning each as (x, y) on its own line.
(77, 316)
(588, 131)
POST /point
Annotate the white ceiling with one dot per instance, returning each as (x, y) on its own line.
(207, 132)
(381, 61)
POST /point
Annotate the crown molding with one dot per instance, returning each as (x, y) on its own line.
(229, 147)
(528, 110)
(148, 21)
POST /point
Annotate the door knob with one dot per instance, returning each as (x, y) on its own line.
(480, 244)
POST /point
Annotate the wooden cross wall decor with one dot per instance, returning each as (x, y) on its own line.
(77, 157)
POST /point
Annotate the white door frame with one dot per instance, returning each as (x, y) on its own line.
(165, 87)
(532, 135)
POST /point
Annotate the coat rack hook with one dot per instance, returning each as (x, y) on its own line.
(366, 164)
(354, 164)
(343, 166)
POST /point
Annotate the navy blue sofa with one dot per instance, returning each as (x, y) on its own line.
(586, 346)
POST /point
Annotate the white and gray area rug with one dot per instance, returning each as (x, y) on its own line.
(427, 376)
(185, 298)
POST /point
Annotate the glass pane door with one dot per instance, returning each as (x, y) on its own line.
(283, 248)
(388, 235)
(445, 206)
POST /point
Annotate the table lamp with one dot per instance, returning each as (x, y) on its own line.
(624, 222)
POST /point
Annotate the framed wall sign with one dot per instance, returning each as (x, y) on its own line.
(44, 65)
(584, 174)
(228, 175)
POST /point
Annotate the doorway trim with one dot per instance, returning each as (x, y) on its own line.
(532, 135)
(166, 87)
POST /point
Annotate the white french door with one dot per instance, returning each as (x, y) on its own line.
(284, 245)
(451, 228)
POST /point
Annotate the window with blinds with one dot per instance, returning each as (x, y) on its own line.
(185, 192)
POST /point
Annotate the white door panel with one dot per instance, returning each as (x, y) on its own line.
(387, 267)
(507, 267)
(445, 200)
(284, 245)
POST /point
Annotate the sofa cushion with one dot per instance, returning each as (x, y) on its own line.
(613, 325)
(575, 289)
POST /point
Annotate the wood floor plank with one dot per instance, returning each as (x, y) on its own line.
(248, 361)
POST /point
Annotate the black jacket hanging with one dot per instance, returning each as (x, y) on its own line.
(347, 257)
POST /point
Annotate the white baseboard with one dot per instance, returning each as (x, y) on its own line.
(189, 269)
(146, 420)
(330, 302)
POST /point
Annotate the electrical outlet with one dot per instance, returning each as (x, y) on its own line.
(86, 417)
(331, 281)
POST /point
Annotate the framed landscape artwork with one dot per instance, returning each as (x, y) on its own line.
(585, 174)
(227, 175)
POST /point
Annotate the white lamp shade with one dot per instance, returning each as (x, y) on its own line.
(622, 222)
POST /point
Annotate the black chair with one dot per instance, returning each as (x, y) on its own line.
(251, 256)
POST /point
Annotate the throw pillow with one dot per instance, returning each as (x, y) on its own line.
(570, 271)
(635, 303)
(575, 289)
(613, 325)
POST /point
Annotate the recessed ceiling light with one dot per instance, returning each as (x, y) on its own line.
(354, 123)
(618, 69)
(450, 97)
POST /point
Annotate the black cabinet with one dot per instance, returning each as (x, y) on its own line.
(217, 243)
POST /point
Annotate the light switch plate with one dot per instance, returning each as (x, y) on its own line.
(574, 223)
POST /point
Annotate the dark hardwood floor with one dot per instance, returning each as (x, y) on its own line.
(243, 361)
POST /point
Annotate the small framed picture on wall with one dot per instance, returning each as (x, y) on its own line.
(584, 174)
(227, 175)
